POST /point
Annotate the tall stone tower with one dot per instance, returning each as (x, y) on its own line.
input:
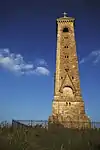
(68, 105)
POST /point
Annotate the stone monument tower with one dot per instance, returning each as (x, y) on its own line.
(68, 105)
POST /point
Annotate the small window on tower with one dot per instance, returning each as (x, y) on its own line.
(66, 103)
(65, 30)
(72, 77)
(65, 37)
(67, 46)
(69, 103)
(67, 56)
(61, 77)
(66, 70)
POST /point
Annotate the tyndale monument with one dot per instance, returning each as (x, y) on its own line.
(68, 106)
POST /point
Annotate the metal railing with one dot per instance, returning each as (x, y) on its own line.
(44, 123)
(41, 123)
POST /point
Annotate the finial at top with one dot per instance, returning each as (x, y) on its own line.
(65, 14)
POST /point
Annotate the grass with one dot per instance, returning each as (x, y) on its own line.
(52, 139)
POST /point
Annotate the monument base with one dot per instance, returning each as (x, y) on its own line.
(83, 123)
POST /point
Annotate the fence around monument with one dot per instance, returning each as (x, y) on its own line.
(30, 123)
(44, 123)
(34, 123)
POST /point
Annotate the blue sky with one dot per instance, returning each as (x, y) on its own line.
(28, 50)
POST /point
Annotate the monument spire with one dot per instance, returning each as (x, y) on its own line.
(65, 14)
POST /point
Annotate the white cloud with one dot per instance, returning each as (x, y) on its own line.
(42, 62)
(94, 56)
(42, 70)
(16, 64)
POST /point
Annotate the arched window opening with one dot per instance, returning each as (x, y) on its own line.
(65, 30)
(68, 92)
